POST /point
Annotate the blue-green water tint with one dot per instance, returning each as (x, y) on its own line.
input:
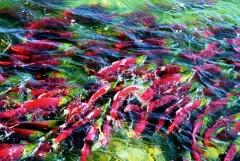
(98, 28)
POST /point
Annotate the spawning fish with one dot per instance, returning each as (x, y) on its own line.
(119, 99)
(11, 152)
(222, 122)
(118, 66)
(103, 90)
(49, 24)
(231, 153)
(182, 114)
(34, 47)
(141, 123)
(41, 103)
(94, 114)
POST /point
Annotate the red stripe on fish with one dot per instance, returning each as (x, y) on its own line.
(173, 79)
(41, 103)
(23, 58)
(170, 109)
(207, 54)
(140, 17)
(91, 136)
(141, 124)
(208, 33)
(118, 66)
(77, 110)
(12, 113)
(101, 91)
(24, 132)
(85, 151)
(195, 155)
(54, 93)
(236, 128)
(6, 63)
(196, 128)
(165, 82)
(4, 103)
(148, 94)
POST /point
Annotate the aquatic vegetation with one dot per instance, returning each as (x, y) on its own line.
(88, 83)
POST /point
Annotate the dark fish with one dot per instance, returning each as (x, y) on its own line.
(140, 17)
(221, 33)
(171, 27)
(50, 35)
(88, 15)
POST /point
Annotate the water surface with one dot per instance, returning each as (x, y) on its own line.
(119, 80)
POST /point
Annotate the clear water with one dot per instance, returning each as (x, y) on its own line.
(119, 80)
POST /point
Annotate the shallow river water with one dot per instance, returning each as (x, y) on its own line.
(105, 80)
